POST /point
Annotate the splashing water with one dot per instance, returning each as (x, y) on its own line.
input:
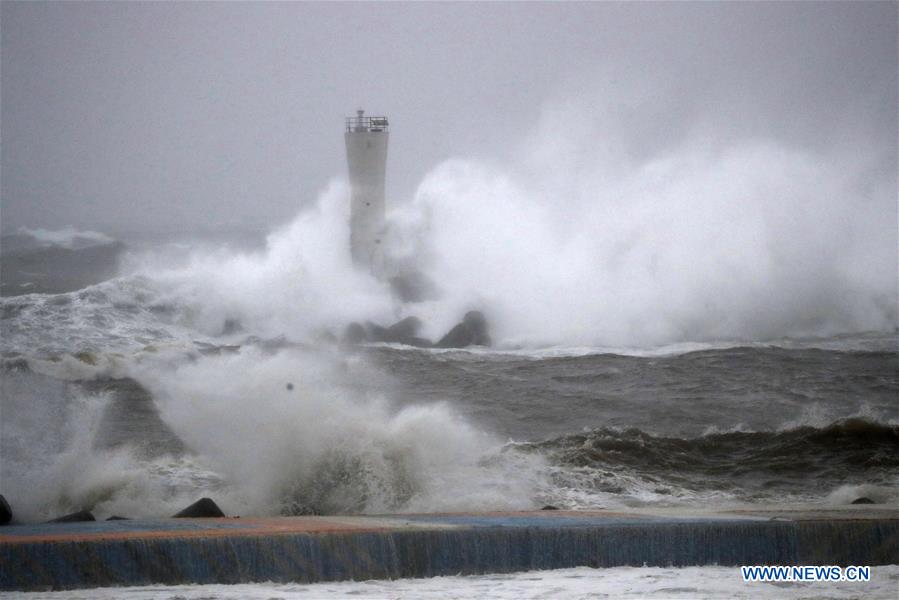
(329, 441)
(577, 240)
(580, 239)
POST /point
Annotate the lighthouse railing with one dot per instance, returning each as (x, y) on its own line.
(366, 124)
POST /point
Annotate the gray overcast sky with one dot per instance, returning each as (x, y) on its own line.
(180, 116)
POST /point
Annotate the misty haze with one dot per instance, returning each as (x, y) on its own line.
(379, 258)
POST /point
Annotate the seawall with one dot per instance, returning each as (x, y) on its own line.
(309, 549)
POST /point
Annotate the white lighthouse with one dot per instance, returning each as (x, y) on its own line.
(366, 153)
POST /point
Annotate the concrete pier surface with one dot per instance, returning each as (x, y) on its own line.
(310, 549)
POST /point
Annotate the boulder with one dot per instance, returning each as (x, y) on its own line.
(75, 517)
(118, 518)
(404, 329)
(374, 332)
(472, 331)
(5, 511)
(204, 508)
(863, 500)
(401, 332)
(354, 334)
(405, 332)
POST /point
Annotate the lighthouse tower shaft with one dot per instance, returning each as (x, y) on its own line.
(366, 151)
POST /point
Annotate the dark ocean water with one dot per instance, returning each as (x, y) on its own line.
(756, 424)
(672, 393)
(114, 400)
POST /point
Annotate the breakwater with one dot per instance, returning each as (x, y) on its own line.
(309, 549)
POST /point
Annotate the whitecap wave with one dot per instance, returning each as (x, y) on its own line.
(67, 237)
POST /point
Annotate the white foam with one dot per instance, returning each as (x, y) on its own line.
(879, 494)
(331, 443)
(51, 465)
(115, 316)
(686, 583)
(67, 237)
(575, 247)
(303, 282)
(575, 242)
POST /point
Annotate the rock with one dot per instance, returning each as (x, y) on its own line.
(75, 517)
(5, 511)
(401, 332)
(472, 331)
(204, 508)
(355, 334)
(289, 387)
(405, 332)
(863, 500)
(374, 332)
(406, 328)
(477, 325)
(458, 337)
(550, 507)
(118, 518)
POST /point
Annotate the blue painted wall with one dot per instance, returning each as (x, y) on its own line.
(481, 547)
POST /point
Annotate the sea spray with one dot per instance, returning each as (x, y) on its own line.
(749, 241)
(300, 432)
(300, 285)
(54, 461)
(708, 244)
(578, 239)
